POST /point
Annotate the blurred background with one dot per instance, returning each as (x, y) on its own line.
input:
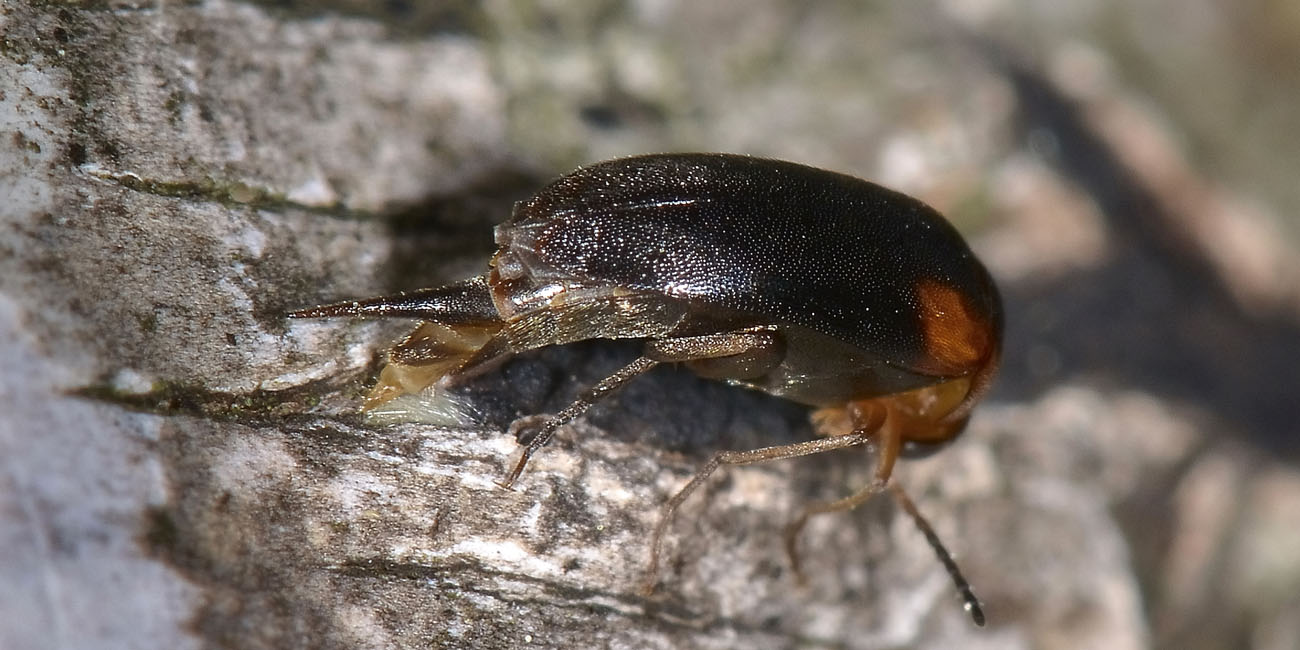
(179, 176)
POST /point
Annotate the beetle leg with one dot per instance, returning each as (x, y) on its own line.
(759, 344)
(730, 355)
(872, 420)
(890, 434)
(847, 503)
(430, 352)
(722, 458)
(572, 411)
(459, 319)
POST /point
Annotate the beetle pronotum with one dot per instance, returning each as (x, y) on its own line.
(806, 284)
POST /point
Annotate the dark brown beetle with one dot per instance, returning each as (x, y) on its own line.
(803, 283)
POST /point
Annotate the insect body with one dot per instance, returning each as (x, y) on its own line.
(803, 283)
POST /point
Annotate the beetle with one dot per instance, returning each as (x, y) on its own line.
(807, 284)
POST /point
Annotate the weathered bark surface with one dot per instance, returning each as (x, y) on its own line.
(181, 467)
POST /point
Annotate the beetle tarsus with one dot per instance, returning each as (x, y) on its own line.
(508, 482)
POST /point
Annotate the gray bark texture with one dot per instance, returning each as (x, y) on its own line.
(182, 467)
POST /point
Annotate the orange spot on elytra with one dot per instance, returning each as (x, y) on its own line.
(956, 337)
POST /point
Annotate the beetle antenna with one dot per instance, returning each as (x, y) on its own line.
(972, 603)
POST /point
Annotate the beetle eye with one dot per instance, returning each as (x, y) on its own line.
(914, 449)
